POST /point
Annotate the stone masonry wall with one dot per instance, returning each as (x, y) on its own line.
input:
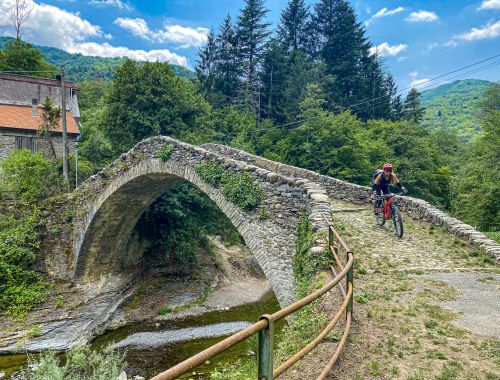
(7, 142)
(109, 204)
(417, 208)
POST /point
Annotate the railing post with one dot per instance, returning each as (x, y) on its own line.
(349, 280)
(331, 237)
(265, 358)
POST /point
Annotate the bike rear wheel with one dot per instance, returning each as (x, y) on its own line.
(398, 222)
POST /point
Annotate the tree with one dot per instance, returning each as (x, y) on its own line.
(292, 32)
(205, 66)
(252, 33)
(227, 69)
(49, 121)
(411, 108)
(20, 14)
(478, 181)
(22, 56)
(147, 100)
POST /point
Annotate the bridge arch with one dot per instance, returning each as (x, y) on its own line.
(109, 204)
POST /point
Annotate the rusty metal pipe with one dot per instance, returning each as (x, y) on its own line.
(336, 355)
(299, 355)
(280, 314)
(339, 263)
(335, 273)
(210, 352)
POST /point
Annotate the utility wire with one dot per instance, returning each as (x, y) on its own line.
(296, 124)
(429, 80)
(442, 82)
(30, 71)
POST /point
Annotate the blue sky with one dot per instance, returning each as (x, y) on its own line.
(418, 39)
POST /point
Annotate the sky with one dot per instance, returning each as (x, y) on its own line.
(417, 39)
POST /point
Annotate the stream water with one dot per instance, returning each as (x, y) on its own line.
(152, 347)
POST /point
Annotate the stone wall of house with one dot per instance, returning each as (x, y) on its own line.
(335, 188)
(8, 142)
(109, 204)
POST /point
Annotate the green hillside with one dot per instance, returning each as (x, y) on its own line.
(454, 106)
(81, 67)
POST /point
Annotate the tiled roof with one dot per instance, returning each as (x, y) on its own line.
(21, 117)
(36, 80)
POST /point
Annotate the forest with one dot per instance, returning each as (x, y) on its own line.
(308, 93)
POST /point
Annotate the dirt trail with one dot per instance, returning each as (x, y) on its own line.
(409, 296)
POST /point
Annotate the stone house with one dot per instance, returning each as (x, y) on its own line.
(20, 113)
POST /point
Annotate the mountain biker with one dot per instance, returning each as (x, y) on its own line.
(382, 179)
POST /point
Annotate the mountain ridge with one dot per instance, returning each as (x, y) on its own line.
(81, 67)
(454, 106)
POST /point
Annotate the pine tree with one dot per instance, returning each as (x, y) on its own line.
(252, 33)
(206, 64)
(293, 30)
(411, 108)
(227, 71)
(345, 51)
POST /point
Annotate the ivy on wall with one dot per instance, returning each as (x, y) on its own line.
(238, 187)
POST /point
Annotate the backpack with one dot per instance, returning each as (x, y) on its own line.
(375, 174)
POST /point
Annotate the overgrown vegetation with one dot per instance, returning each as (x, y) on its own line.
(165, 152)
(81, 363)
(178, 224)
(210, 172)
(238, 187)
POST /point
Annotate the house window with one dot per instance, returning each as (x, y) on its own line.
(23, 142)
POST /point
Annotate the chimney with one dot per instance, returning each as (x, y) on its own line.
(34, 108)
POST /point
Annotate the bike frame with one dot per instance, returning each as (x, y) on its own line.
(387, 204)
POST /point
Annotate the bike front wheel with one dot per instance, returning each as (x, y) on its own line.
(398, 222)
(379, 216)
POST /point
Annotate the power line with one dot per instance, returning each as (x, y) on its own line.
(30, 71)
(296, 124)
(446, 80)
(428, 80)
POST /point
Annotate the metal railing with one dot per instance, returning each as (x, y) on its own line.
(265, 326)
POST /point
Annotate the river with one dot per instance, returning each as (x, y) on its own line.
(152, 347)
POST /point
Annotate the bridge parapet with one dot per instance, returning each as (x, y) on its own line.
(338, 189)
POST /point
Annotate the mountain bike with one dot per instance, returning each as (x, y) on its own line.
(388, 210)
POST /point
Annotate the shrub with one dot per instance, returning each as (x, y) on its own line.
(81, 363)
(240, 189)
(20, 287)
(210, 172)
(164, 152)
(29, 176)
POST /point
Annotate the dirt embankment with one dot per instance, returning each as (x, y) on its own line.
(230, 278)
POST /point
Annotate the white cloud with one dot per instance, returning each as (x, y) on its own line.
(176, 34)
(386, 50)
(384, 12)
(422, 16)
(137, 26)
(401, 59)
(430, 47)
(112, 3)
(414, 82)
(487, 31)
(106, 50)
(52, 26)
(490, 4)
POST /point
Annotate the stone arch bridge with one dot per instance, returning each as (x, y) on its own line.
(96, 252)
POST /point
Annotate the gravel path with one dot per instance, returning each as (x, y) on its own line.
(478, 303)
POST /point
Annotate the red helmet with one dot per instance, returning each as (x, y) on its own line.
(387, 166)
